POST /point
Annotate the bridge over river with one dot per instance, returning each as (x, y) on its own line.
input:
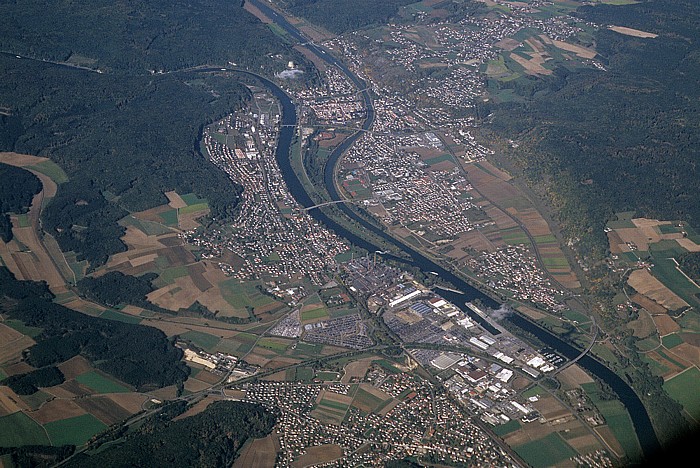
(638, 413)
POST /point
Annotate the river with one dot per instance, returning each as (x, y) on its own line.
(640, 418)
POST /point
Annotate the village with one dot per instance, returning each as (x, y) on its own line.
(417, 419)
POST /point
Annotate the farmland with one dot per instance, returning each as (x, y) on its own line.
(682, 388)
(183, 281)
(74, 431)
(25, 255)
(666, 299)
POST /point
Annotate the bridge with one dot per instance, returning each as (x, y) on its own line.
(334, 202)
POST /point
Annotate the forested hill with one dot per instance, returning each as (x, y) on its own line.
(137, 35)
(623, 139)
(341, 16)
(212, 438)
(122, 140)
(124, 136)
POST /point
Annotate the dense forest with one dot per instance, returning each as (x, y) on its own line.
(29, 383)
(125, 135)
(138, 355)
(208, 439)
(122, 140)
(135, 36)
(17, 190)
(341, 16)
(37, 456)
(627, 138)
(115, 288)
(690, 264)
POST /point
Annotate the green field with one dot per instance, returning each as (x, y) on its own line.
(576, 316)
(647, 344)
(555, 262)
(439, 159)
(683, 388)
(661, 353)
(243, 296)
(118, 316)
(328, 415)
(547, 239)
(507, 428)
(194, 208)
(274, 345)
(304, 374)
(150, 228)
(514, 236)
(335, 405)
(74, 431)
(335, 313)
(671, 341)
(327, 376)
(621, 426)
(35, 400)
(19, 429)
(366, 399)
(690, 321)
(309, 349)
(203, 340)
(169, 275)
(169, 217)
(665, 270)
(534, 391)
(22, 328)
(100, 383)
(617, 420)
(314, 314)
(387, 365)
(23, 220)
(192, 199)
(666, 248)
(544, 452)
(52, 170)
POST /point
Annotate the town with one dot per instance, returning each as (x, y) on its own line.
(270, 236)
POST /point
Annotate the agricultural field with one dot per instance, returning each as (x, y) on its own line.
(618, 423)
(513, 213)
(683, 388)
(184, 283)
(19, 429)
(332, 407)
(667, 299)
(100, 383)
(531, 53)
(547, 451)
(86, 403)
(558, 430)
(25, 255)
(259, 452)
(74, 431)
(318, 455)
(370, 399)
(314, 310)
